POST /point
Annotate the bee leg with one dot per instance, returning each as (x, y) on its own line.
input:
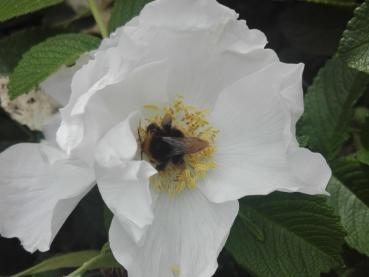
(178, 161)
(155, 129)
(161, 166)
(140, 140)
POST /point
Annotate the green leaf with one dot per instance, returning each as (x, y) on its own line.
(354, 45)
(45, 58)
(70, 260)
(104, 260)
(363, 156)
(286, 235)
(14, 8)
(350, 199)
(13, 46)
(123, 11)
(349, 3)
(329, 107)
(365, 134)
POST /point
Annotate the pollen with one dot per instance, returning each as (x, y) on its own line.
(192, 122)
(176, 270)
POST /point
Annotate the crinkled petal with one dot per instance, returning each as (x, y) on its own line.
(238, 38)
(144, 85)
(38, 196)
(119, 144)
(293, 96)
(108, 67)
(58, 84)
(79, 134)
(50, 128)
(146, 41)
(70, 133)
(185, 238)
(186, 14)
(124, 183)
(310, 169)
(52, 153)
(254, 154)
(125, 190)
(201, 82)
(212, 60)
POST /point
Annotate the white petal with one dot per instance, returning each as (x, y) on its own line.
(311, 170)
(96, 122)
(125, 190)
(36, 197)
(119, 143)
(186, 14)
(201, 76)
(58, 84)
(237, 37)
(50, 128)
(185, 238)
(294, 98)
(107, 68)
(79, 134)
(145, 85)
(52, 152)
(254, 155)
(144, 42)
(70, 133)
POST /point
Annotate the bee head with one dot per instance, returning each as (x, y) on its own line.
(153, 129)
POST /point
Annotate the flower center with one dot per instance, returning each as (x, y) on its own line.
(179, 142)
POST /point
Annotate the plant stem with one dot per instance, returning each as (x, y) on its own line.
(85, 267)
(98, 18)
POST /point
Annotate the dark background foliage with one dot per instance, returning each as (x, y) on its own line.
(296, 30)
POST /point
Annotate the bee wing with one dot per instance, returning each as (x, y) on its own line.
(186, 145)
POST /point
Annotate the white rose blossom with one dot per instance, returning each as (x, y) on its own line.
(192, 60)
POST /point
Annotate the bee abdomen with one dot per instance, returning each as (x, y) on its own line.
(159, 149)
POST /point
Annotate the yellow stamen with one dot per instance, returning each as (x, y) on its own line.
(176, 270)
(153, 108)
(193, 123)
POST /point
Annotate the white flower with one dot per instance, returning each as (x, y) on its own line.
(193, 60)
(37, 191)
(33, 109)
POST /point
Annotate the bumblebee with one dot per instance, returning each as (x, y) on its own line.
(165, 143)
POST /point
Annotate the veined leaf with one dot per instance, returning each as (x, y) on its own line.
(329, 107)
(286, 235)
(70, 260)
(45, 58)
(350, 199)
(363, 156)
(13, 46)
(365, 135)
(123, 11)
(354, 45)
(14, 8)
